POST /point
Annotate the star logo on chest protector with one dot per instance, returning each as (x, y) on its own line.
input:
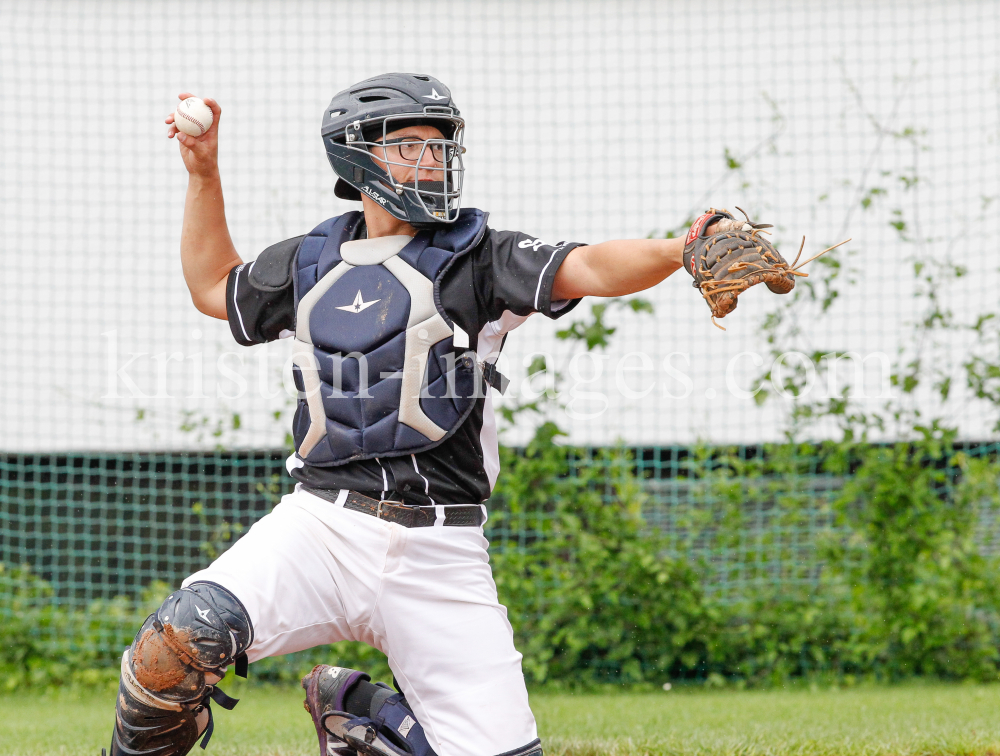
(358, 304)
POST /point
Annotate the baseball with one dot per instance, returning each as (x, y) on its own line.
(193, 116)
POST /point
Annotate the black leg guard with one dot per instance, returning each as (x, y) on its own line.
(534, 748)
(145, 727)
(388, 728)
(196, 634)
(391, 729)
(352, 717)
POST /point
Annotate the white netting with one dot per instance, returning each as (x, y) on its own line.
(587, 121)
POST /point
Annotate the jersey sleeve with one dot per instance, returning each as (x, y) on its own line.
(515, 272)
(260, 296)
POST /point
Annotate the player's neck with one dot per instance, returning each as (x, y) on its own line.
(382, 223)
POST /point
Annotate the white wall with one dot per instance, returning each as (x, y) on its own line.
(587, 121)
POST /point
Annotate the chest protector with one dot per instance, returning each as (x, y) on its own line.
(375, 361)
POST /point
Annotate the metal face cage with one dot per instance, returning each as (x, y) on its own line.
(436, 187)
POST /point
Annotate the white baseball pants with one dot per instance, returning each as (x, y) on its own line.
(312, 573)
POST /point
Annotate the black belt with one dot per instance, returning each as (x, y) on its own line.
(404, 514)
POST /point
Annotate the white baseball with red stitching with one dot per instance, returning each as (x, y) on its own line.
(193, 116)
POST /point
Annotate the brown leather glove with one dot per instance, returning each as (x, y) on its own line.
(733, 258)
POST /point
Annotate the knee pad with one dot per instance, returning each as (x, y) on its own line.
(199, 630)
(170, 670)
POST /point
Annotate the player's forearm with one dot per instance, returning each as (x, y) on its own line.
(207, 251)
(617, 268)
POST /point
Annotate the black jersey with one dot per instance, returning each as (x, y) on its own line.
(488, 292)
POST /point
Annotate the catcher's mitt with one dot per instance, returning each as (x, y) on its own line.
(734, 258)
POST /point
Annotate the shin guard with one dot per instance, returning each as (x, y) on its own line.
(169, 673)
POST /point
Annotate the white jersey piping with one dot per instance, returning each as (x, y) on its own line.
(236, 306)
(541, 276)
(488, 349)
(427, 483)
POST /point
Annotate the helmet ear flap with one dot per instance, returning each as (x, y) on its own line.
(345, 191)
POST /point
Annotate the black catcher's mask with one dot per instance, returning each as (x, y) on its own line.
(359, 120)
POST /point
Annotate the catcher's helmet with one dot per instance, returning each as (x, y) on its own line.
(363, 114)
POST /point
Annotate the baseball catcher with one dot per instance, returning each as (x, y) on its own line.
(396, 316)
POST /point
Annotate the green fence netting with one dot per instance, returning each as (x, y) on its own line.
(100, 527)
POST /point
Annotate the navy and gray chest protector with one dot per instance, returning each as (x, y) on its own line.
(379, 369)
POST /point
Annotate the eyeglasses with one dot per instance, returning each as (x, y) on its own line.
(410, 149)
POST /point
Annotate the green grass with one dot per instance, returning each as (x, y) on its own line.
(896, 721)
